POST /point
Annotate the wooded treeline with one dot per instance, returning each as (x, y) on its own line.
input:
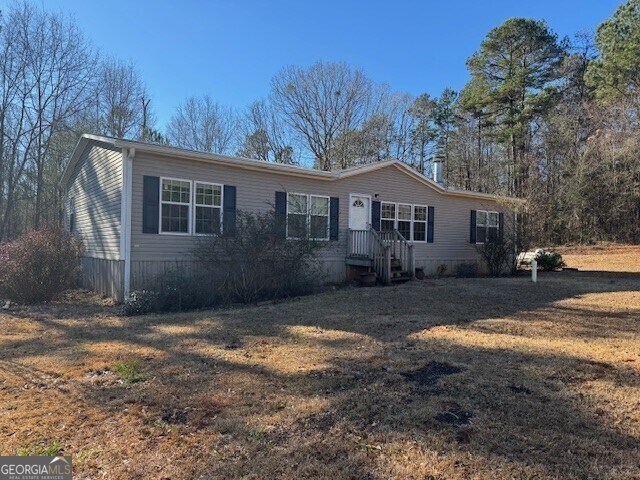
(551, 120)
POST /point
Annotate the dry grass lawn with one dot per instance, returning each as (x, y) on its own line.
(612, 258)
(434, 379)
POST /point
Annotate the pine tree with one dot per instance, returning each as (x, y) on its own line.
(514, 79)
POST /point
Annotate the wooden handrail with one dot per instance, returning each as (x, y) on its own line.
(381, 248)
(381, 256)
(403, 250)
(375, 234)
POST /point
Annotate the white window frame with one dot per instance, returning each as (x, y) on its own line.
(328, 229)
(387, 219)
(189, 205)
(411, 221)
(425, 221)
(287, 214)
(308, 216)
(486, 224)
(196, 205)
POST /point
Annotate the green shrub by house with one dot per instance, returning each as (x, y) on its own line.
(550, 261)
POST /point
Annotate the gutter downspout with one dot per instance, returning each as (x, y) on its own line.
(125, 218)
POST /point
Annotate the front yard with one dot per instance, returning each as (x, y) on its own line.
(434, 379)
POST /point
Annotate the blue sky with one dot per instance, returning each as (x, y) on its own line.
(231, 49)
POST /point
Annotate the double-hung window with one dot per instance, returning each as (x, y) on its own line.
(419, 223)
(387, 216)
(208, 208)
(404, 220)
(319, 217)
(493, 225)
(409, 220)
(487, 226)
(297, 214)
(175, 200)
(307, 216)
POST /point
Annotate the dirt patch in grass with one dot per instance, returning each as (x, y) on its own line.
(429, 374)
(450, 379)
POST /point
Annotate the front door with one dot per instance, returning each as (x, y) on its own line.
(359, 212)
(360, 221)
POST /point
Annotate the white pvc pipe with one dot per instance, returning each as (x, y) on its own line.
(534, 271)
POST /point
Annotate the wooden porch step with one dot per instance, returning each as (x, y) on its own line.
(399, 277)
(358, 260)
(391, 254)
(400, 273)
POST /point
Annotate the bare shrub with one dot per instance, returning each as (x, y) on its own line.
(257, 262)
(501, 253)
(254, 263)
(40, 265)
(498, 254)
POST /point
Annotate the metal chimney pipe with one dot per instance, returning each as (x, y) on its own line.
(437, 170)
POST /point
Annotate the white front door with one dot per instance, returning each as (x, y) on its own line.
(360, 220)
(359, 212)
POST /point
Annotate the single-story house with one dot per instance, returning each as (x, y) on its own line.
(141, 208)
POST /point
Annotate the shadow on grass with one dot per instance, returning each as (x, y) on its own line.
(527, 409)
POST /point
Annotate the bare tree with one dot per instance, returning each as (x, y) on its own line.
(266, 137)
(386, 133)
(205, 125)
(321, 103)
(47, 78)
(122, 100)
(398, 107)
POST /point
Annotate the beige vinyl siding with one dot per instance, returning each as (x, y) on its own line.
(256, 192)
(96, 189)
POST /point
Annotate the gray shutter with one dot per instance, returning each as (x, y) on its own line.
(281, 212)
(334, 213)
(501, 226)
(430, 215)
(229, 211)
(472, 227)
(150, 204)
(375, 216)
